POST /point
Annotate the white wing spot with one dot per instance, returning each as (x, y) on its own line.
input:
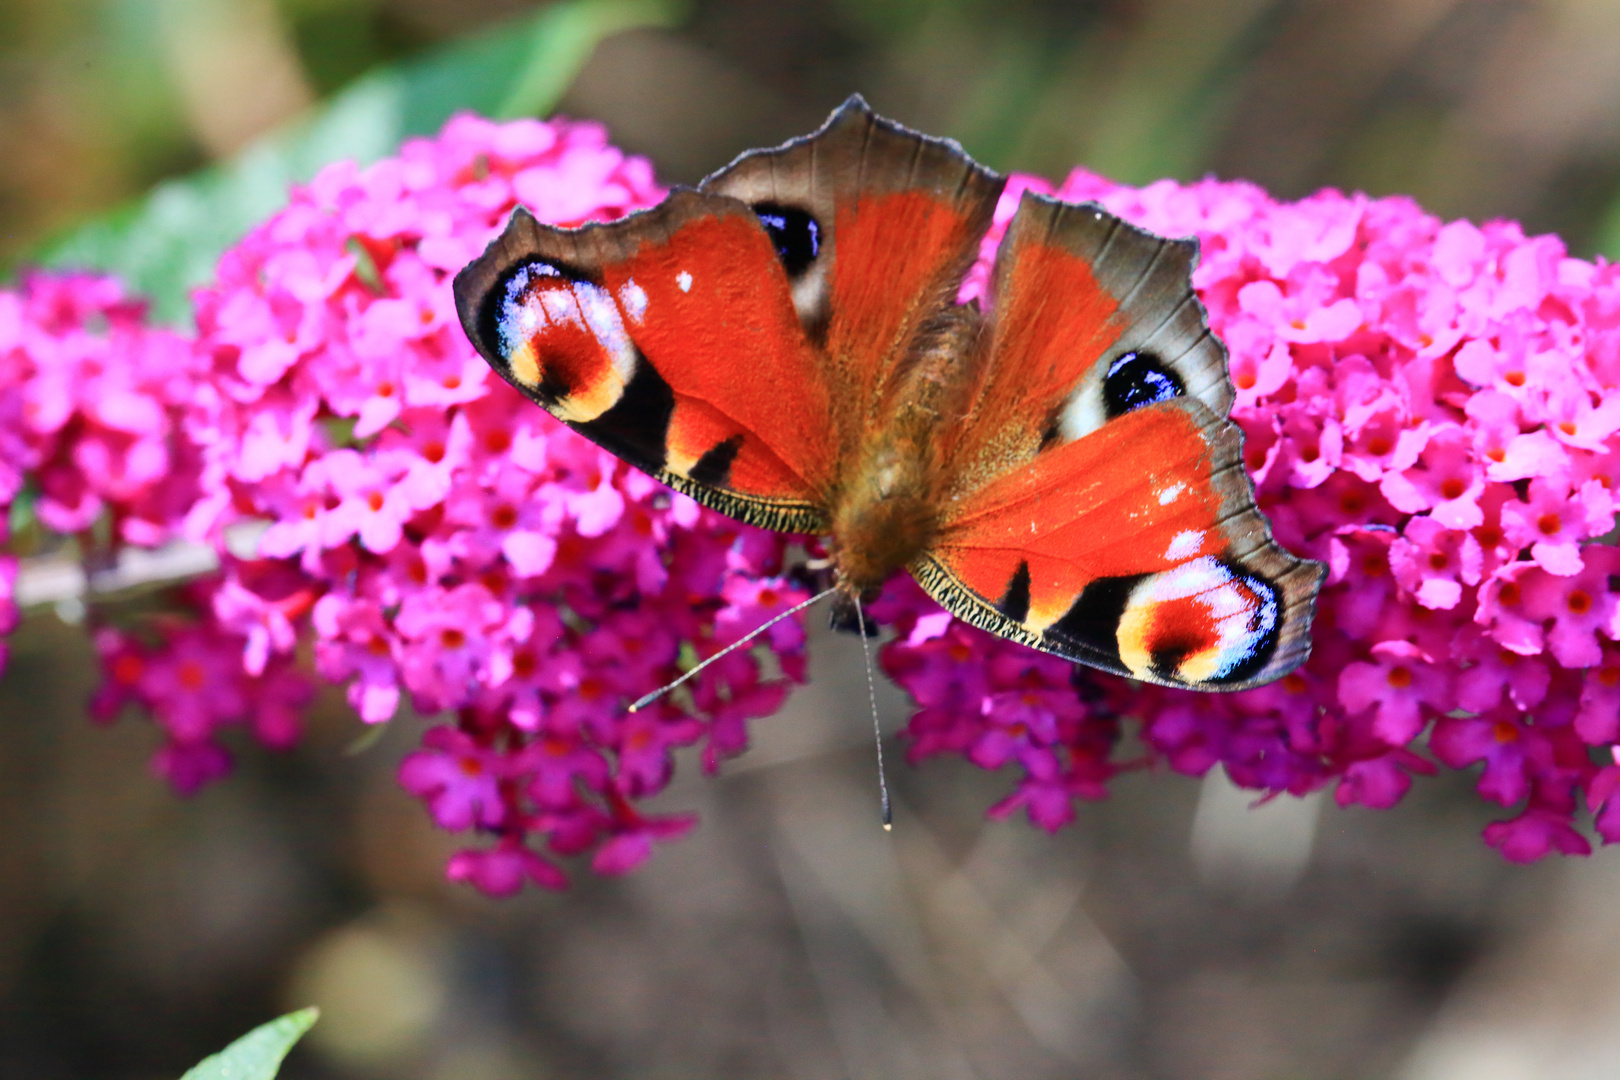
(1185, 545)
(634, 299)
(684, 280)
(1171, 493)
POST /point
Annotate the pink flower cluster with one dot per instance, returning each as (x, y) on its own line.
(437, 536)
(187, 673)
(95, 452)
(1430, 409)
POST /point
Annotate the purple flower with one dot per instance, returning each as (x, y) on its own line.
(458, 779)
(1398, 683)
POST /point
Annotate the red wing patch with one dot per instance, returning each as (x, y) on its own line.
(898, 255)
(1134, 498)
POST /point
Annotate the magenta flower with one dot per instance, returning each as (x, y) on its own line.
(1435, 563)
(459, 780)
(1551, 525)
(1399, 681)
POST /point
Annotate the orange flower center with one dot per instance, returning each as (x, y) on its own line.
(451, 638)
(1399, 677)
(1514, 378)
(1504, 732)
(1548, 524)
(192, 676)
(127, 669)
(1579, 602)
(1453, 488)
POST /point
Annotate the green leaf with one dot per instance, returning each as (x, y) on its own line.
(256, 1055)
(168, 242)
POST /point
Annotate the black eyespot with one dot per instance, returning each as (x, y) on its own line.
(794, 233)
(1138, 379)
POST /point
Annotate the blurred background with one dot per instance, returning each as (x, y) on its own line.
(1175, 932)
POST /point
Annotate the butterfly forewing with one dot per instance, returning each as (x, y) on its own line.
(668, 337)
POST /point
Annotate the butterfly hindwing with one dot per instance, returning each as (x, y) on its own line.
(667, 337)
(1100, 508)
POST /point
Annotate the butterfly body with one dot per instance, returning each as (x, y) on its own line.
(783, 344)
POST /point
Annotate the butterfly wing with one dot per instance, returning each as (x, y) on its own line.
(668, 337)
(876, 225)
(1099, 508)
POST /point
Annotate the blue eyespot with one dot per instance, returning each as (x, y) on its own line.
(794, 234)
(1138, 379)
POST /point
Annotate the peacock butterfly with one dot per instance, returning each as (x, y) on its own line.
(783, 344)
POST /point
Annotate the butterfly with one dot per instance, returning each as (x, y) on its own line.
(783, 344)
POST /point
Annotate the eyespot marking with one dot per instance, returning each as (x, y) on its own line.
(794, 233)
(562, 337)
(1201, 622)
(1138, 379)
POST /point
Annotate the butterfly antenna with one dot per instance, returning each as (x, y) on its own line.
(877, 728)
(647, 699)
